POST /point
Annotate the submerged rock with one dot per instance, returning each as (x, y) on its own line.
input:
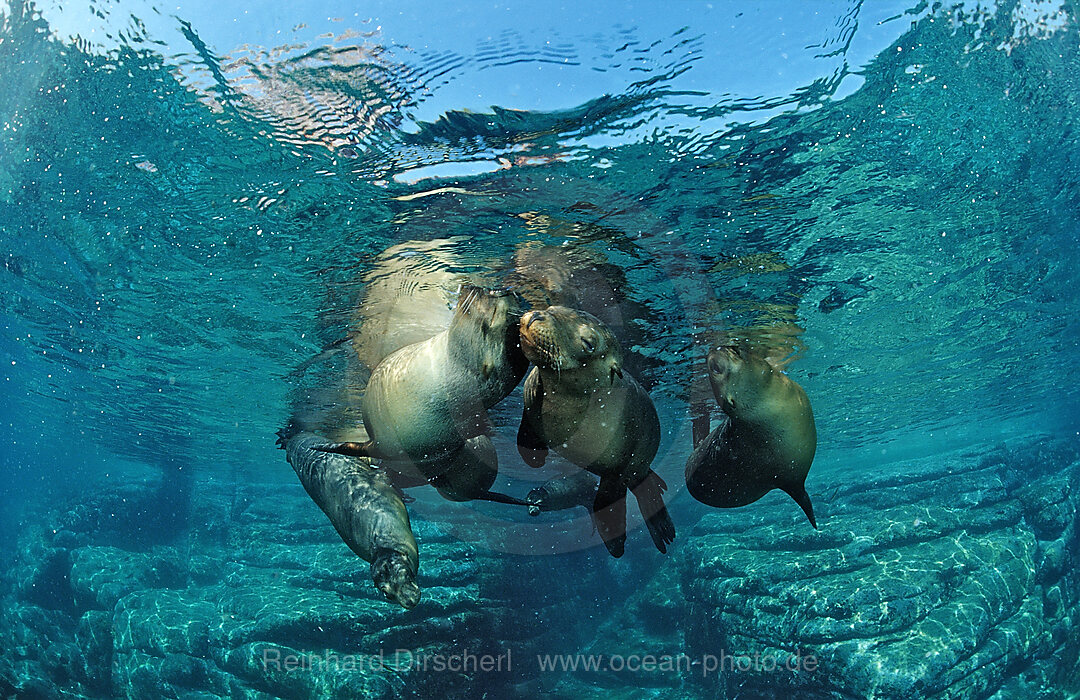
(946, 583)
(955, 578)
(266, 602)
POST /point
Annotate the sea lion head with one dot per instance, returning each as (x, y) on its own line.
(486, 325)
(738, 378)
(572, 343)
(498, 307)
(535, 499)
(395, 577)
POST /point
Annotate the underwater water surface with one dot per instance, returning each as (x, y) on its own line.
(206, 211)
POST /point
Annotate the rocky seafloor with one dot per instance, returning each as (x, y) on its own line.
(954, 577)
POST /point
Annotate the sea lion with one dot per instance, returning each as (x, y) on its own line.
(563, 493)
(579, 402)
(470, 473)
(364, 508)
(426, 401)
(767, 441)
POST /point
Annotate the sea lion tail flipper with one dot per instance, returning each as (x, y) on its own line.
(535, 501)
(349, 449)
(649, 495)
(799, 494)
(609, 514)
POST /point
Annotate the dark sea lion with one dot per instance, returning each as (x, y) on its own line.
(470, 473)
(365, 509)
(563, 493)
(767, 441)
(579, 402)
(425, 402)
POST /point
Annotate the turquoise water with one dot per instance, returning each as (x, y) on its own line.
(192, 210)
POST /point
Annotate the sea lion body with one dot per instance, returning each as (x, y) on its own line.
(425, 405)
(563, 492)
(767, 441)
(580, 403)
(365, 509)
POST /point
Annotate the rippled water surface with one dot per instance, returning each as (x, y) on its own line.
(195, 199)
(184, 222)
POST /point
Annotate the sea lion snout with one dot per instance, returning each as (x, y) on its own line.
(530, 318)
(535, 499)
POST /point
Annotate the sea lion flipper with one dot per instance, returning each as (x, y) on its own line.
(531, 448)
(699, 422)
(649, 495)
(496, 497)
(531, 445)
(349, 449)
(799, 494)
(609, 514)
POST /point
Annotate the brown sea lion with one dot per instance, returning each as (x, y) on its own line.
(425, 402)
(766, 442)
(365, 509)
(580, 403)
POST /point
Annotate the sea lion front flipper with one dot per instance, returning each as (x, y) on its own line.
(496, 497)
(609, 514)
(531, 445)
(349, 449)
(699, 422)
(799, 494)
(649, 495)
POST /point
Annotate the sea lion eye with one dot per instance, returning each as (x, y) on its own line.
(588, 345)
